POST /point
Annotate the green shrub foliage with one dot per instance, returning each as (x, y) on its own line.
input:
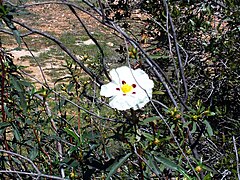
(63, 129)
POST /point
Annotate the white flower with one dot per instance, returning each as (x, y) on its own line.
(128, 89)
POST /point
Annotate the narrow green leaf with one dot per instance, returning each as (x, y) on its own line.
(17, 36)
(16, 133)
(4, 124)
(23, 102)
(194, 128)
(33, 153)
(10, 25)
(154, 166)
(212, 114)
(157, 56)
(117, 165)
(16, 84)
(167, 163)
(172, 165)
(16, 160)
(209, 128)
(150, 119)
(207, 168)
(74, 164)
(158, 92)
(72, 133)
(187, 123)
(9, 115)
(148, 136)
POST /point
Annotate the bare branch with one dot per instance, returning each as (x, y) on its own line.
(236, 154)
(64, 48)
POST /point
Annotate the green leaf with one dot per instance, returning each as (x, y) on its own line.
(33, 153)
(208, 176)
(23, 102)
(16, 160)
(194, 128)
(116, 165)
(14, 30)
(16, 133)
(74, 164)
(16, 84)
(158, 92)
(9, 115)
(207, 168)
(17, 36)
(209, 128)
(72, 133)
(148, 136)
(171, 165)
(187, 123)
(4, 124)
(150, 119)
(157, 56)
(168, 163)
(154, 166)
(212, 114)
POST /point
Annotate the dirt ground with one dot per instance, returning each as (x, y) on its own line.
(53, 19)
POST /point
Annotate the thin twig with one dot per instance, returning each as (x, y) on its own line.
(59, 145)
(177, 51)
(32, 174)
(18, 155)
(39, 66)
(236, 154)
(94, 40)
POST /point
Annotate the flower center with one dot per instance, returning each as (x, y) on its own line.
(126, 88)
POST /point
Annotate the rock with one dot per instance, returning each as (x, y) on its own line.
(88, 42)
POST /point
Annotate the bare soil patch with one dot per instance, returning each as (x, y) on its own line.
(55, 20)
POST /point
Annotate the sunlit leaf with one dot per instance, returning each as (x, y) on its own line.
(158, 92)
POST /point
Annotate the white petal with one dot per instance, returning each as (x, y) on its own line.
(143, 98)
(141, 103)
(121, 102)
(139, 72)
(123, 73)
(114, 76)
(140, 92)
(143, 79)
(109, 90)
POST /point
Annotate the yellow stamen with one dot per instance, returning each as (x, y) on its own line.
(126, 88)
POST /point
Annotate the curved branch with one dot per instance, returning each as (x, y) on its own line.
(64, 48)
(94, 40)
